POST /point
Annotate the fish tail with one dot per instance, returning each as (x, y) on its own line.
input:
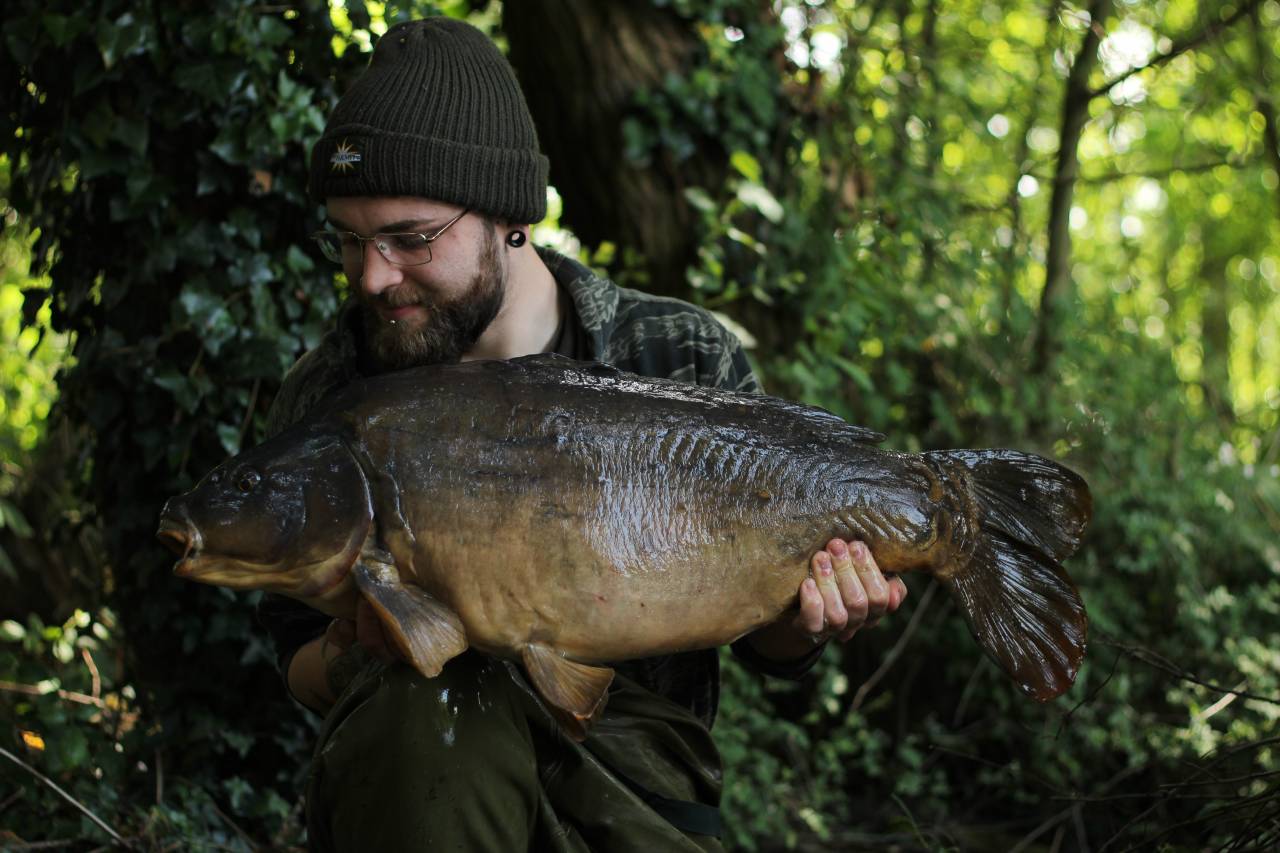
(1022, 607)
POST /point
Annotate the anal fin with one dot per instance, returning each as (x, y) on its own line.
(425, 631)
(575, 691)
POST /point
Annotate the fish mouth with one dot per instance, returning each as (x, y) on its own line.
(182, 539)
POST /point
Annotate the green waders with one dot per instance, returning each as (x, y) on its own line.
(470, 760)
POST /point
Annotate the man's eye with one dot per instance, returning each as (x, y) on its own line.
(407, 242)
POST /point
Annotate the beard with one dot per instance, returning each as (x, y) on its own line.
(451, 327)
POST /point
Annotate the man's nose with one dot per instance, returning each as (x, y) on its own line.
(377, 273)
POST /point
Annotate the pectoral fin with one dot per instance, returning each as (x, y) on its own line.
(576, 692)
(425, 631)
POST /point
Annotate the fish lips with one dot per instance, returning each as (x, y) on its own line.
(183, 539)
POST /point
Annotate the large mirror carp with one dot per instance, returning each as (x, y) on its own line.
(566, 514)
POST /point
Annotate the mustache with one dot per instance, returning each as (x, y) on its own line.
(401, 297)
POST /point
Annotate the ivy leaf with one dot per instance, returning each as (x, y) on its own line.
(198, 77)
(12, 518)
(118, 39)
(756, 196)
(68, 750)
(746, 165)
(273, 31)
(132, 132)
(64, 28)
(229, 437)
(700, 199)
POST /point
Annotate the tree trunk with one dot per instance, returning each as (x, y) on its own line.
(581, 64)
(1075, 114)
(1215, 338)
(1264, 96)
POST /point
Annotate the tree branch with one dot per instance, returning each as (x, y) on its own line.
(1182, 46)
(1193, 168)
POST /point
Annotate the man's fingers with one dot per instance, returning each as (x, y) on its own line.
(852, 594)
(897, 593)
(809, 620)
(834, 614)
(877, 588)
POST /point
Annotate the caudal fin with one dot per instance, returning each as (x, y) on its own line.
(1020, 604)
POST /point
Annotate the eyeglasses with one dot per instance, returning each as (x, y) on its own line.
(403, 250)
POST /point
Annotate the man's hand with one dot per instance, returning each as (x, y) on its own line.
(369, 633)
(847, 592)
(322, 668)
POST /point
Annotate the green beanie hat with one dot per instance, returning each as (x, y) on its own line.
(437, 114)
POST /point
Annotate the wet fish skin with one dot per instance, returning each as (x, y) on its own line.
(567, 512)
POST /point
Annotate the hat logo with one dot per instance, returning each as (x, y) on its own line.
(345, 157)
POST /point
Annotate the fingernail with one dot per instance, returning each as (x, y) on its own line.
(824, 563)
(838, 548)
(858, 550)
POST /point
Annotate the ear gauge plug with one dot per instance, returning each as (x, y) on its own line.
(516, 239)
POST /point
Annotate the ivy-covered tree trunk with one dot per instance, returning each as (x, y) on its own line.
(586, 66)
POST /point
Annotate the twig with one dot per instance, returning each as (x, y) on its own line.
(69, 695)
(915, 827)
(1155, 659)
(226, 818)
(1261, 774)
(1066, 718)
(1206, 818)
(1044, 827)
(896, 651)
(1056, 844)
(46, 780)
(1222, 703)
(1082, 837)
(40, 845)
(967, 693)
(93, 673)
(9, 800)
(1071, 811)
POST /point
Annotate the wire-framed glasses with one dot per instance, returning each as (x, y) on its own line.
(407, 249)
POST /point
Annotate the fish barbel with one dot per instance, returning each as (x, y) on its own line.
(566, 515)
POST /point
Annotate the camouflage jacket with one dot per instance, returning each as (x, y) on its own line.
(634, 331)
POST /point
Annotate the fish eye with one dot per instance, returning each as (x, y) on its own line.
(248, 480)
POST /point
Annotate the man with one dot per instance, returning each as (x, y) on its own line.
(430, 173)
